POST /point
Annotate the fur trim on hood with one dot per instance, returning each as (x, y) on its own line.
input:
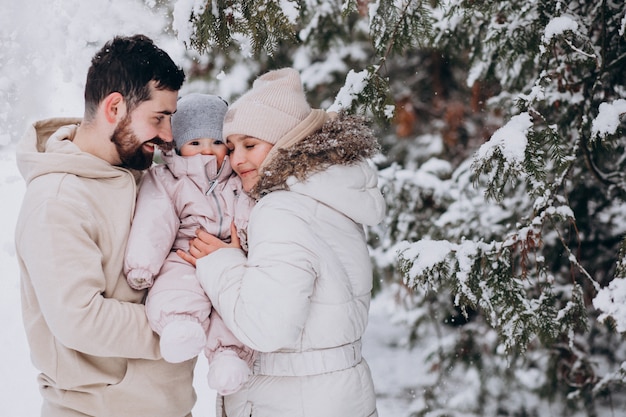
(342, 140)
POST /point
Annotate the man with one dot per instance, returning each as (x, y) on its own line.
(86, 327)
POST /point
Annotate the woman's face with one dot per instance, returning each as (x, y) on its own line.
(246, 156)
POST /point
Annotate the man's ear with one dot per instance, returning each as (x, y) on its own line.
(114, 107)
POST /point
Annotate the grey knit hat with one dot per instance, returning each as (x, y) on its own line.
(198, 116)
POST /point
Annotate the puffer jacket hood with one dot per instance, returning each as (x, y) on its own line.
(330, 166)
(201, 169)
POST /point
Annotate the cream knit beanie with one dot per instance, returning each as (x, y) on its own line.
(274, 110)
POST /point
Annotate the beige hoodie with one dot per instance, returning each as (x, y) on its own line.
(87, 329)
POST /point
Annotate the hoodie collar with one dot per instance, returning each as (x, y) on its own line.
(47, 147)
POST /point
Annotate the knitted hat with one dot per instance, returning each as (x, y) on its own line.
(274, 110)
(198, 116)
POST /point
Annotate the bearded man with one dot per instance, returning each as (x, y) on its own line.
(86, 327)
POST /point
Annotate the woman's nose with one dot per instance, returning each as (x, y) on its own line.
(235, 158)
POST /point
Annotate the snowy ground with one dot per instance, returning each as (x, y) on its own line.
(395, 369)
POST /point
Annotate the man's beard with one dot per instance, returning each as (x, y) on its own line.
(130, 148)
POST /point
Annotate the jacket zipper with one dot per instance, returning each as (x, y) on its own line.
(211, 194)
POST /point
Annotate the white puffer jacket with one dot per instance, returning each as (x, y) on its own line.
(301, 297)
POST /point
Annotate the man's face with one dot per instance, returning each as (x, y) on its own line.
(147, 126)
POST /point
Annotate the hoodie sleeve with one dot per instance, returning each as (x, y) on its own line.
(265, 299)
(153, 231)
(58, 244)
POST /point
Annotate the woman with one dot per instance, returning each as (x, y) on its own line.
(301, 295)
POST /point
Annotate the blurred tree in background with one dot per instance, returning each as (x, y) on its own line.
(503, 170)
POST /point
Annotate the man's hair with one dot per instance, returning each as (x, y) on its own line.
(127, 65)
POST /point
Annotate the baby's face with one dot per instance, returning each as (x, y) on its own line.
(205, 146)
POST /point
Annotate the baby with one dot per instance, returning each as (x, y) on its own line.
(194, 188)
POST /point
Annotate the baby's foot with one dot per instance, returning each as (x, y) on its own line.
(227, 372)
(182, 340)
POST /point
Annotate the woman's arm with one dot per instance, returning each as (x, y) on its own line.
(265, 298)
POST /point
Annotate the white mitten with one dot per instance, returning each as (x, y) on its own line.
(140, 279)
(182, 340)
(227, 372)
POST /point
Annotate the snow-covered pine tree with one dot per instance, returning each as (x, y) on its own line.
(532, 256)
(503, 176)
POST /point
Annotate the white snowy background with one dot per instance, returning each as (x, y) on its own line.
(45, 50)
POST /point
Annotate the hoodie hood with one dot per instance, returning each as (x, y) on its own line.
(331, 166)
(47, 148)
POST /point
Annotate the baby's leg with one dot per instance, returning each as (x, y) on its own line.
(178, 310)
(219, 337)
(230, 361)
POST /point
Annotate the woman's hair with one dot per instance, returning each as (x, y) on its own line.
(127, 65)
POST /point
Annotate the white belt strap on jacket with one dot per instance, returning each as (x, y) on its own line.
(312, 362)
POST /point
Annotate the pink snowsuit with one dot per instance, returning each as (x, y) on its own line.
(174, 200)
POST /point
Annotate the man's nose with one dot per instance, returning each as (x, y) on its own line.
(166, 131)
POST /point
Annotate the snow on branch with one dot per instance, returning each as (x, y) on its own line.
(510, 140)
(355, 83)
(503, 156)
(556, 27)
(611, 300)
(181, 18)
(608, 119)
